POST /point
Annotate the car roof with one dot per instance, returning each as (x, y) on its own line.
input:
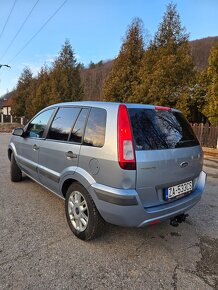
(88, 104)
(104, 104)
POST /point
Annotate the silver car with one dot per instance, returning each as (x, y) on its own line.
(126, 164)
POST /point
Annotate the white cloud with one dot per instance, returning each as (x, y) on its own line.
(40, 60)
(49, 58)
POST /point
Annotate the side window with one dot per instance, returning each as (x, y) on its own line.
(95, 128)
(38, 125)
(62, 123)
(78, 129)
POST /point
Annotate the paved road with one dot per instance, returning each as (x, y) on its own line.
(38, 251)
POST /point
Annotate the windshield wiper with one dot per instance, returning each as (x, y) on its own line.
(186, 141)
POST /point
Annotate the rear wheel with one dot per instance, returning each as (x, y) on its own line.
(82, 215)
(16, 173)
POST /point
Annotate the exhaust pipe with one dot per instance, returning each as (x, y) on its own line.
(175, 221)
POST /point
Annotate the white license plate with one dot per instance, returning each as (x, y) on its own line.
(177, 190)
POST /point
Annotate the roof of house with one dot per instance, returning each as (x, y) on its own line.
(4, 98)
(7, 103)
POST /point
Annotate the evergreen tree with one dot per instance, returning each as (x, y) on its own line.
(211, 106)
(41, 89)
(65, 77)
(170, 30)
(124, 75)
(200, 96)
(167, 72)
(21, 95)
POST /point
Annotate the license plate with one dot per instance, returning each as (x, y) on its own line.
(177, 190)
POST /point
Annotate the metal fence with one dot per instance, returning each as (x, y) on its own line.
(12, 119)
(207, 135)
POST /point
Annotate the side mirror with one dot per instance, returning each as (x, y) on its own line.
(18, 132)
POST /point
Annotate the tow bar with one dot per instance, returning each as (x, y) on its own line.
(175, 221)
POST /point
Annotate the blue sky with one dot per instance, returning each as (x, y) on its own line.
(95, 29)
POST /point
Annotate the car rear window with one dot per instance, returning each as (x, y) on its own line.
(160, 129)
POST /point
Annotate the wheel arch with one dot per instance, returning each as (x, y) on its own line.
(66, 185)
(10, 151)
(85, 180)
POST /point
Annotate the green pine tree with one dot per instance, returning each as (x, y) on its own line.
(65, 77)
(211, 106)
(167, 73)
(200, 96)
(21, 95)
(40, 92)
(124, 75)
(170, 30)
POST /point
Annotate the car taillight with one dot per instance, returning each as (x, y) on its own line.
(126, 153)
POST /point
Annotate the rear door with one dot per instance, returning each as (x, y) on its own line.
(60, 151)
(167, 152)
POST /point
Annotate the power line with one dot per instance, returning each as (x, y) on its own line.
(19, 30)
(40, 29)
(9, 15)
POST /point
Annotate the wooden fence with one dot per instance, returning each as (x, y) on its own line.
(207, 135)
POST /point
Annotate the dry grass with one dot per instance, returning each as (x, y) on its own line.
(8, 127)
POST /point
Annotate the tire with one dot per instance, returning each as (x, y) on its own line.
(82, 215)
(16, 173)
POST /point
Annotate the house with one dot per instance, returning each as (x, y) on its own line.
(6, 103)
(6, 106)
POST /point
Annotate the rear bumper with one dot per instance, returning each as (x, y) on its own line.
(123, 207)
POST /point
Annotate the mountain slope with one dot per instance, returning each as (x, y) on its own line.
(200, 49)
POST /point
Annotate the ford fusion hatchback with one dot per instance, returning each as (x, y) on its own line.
(126, 164)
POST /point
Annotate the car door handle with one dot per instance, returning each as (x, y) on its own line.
(35, 147)
(71, 155)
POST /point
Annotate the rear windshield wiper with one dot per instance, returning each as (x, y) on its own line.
(186, 141)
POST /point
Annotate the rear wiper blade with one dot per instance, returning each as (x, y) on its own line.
(186, 141)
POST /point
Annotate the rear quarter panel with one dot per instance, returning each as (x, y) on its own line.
(102, 163)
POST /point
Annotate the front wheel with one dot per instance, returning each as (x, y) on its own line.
(82, 215)
(16, 173)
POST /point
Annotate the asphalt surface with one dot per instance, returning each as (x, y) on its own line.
(38, 250)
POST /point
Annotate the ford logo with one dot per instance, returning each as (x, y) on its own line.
(183, 164)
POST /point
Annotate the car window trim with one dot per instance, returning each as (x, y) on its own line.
(62, 141)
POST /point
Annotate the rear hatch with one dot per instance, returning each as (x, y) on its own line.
(167, 154)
